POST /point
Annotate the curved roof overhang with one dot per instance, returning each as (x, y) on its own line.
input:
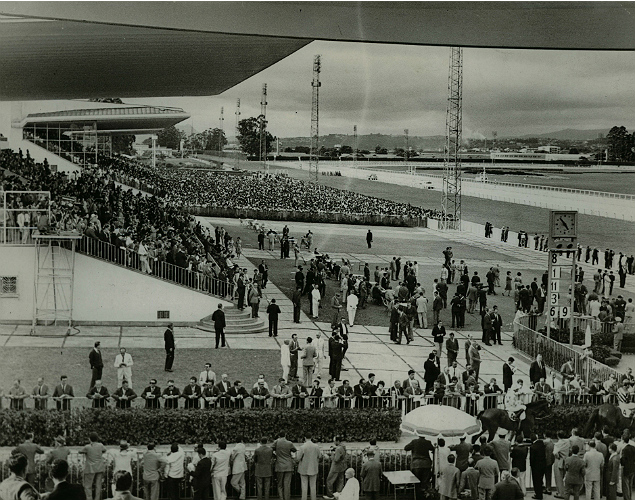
(144, 49)
(125, 120)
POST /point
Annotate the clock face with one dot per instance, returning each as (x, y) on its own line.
(564, 224)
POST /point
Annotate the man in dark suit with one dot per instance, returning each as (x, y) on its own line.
(152, 395)
(421, 466)
(64, 490)
(315, 395)
(171, 394)
(63, 394)
(192, 393)
(537, 370)
(124, 396)
(497, 324)
(219, 323)
(168, 339)
(201, 475)
(273, 310)
(537, 464)
(223, 388)
(259, 395)
(210, 394)
(508, 373)
(96, 364)
(294, 347)
(361, 396)
(300, 393)
(296, 299)
(237, 395)
(263, 460)
(344, 395)
(99, 394)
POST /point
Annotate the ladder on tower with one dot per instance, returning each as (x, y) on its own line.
(54, 280)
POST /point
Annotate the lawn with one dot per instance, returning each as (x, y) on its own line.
(29, 364)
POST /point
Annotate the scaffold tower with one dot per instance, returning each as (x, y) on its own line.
(263, 128)
(54, 280)
(451, 218)
(314, 152)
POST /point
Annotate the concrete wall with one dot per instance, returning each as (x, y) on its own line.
(104, 293)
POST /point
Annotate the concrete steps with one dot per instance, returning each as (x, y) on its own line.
(238, 322)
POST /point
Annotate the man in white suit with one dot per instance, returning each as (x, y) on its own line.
(123, 363)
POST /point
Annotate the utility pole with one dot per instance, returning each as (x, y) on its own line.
(451, 218)
(314, 152)
(263, 128)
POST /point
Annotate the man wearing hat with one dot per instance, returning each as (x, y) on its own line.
(618, 334)
(96, 364)
(122, 458)
(625, 398)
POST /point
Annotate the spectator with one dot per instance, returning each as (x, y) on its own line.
(94, 466)
(153, 469)
(15, 487)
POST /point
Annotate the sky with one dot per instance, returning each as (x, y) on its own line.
(386, 88)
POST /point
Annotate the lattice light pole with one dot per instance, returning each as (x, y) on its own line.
(263, 128)
(314, 153)
(355, 146)
(451, 218)
(237, 115)
(405, 153)
(221, 121)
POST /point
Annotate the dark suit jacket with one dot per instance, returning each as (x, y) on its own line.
(95, 359)
(59, 391)
(508, 376)
(168, 339)
(67, 491)
(537, 455)
(536, 373)
(201, 475)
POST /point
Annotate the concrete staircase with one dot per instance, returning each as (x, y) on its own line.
(238, 322)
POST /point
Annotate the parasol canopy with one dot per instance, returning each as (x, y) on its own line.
(435, 420)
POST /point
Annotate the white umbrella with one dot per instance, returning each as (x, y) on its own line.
(436, 420)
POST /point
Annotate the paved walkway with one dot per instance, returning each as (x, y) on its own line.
(370, 348)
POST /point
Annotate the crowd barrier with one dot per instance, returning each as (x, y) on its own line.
(126, 257)
(317, 217)
(392, 459)
(555, 354)
(471, 404)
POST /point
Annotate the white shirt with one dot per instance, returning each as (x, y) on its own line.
(351, 302)
(319, 346)
(205, 376)
(315, 295)
(285, 355)
(175, 464)
(126, 358)
(122, 459)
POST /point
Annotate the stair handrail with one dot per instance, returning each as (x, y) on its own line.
(129, 258)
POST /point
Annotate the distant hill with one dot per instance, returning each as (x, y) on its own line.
(571, 134)
(368, 141)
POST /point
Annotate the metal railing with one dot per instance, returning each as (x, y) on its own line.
(392, 459)
(129, 258)
(555, 354)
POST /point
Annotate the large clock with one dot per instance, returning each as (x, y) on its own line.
(564, 224)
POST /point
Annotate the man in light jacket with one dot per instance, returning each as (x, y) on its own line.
(308, 457)
(220, 471)
(239, 466)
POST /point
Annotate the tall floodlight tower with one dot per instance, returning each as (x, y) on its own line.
(451, 218)
(237, 115)
(263, 126)
(405, 153)
(314, 153)
(220, 126)
(355, 146)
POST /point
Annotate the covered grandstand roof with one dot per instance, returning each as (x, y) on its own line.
(155, 49)
(132, 119)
